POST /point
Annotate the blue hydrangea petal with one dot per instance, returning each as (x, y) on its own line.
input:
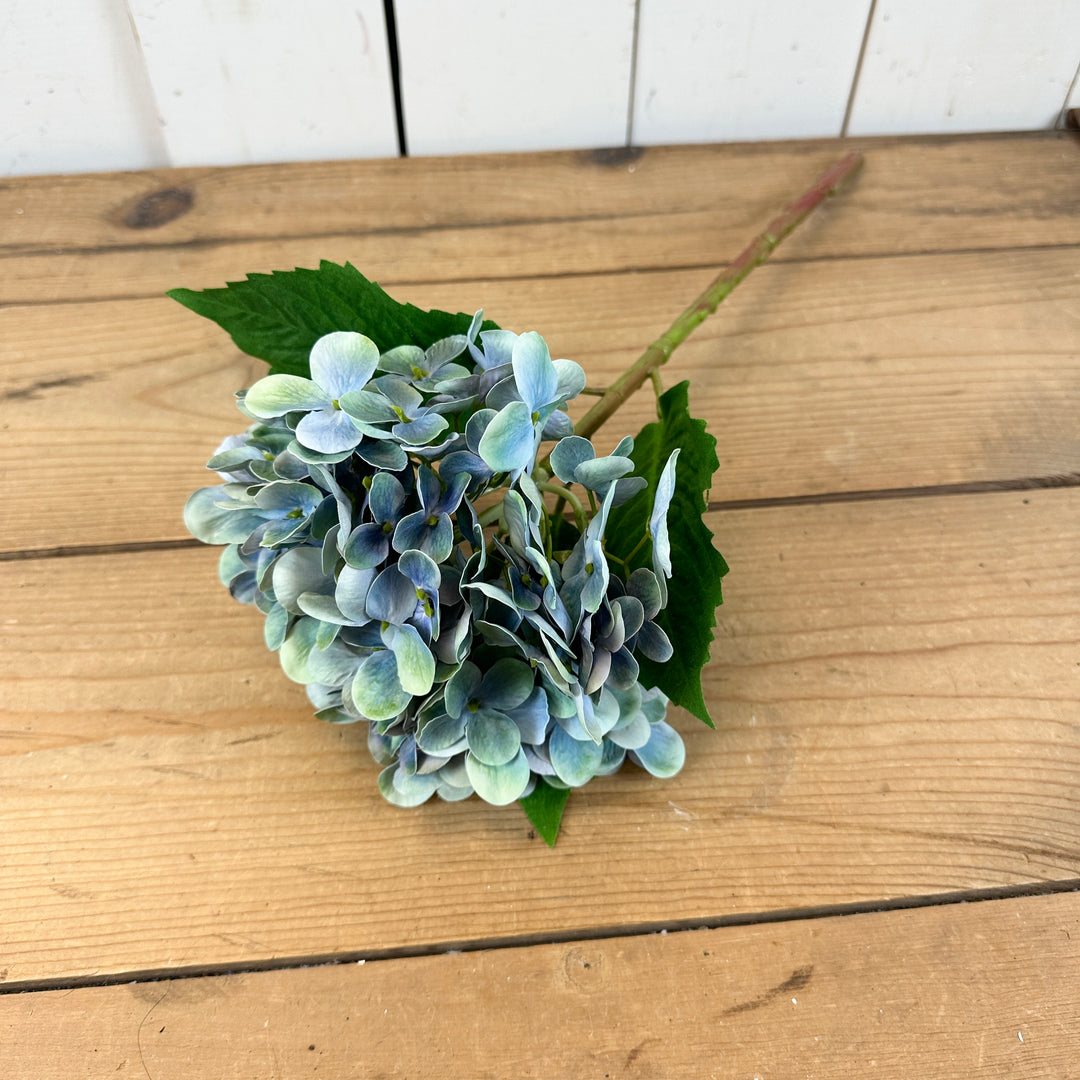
(506, 684)
(275, 627)
(632, 735)
(433, 534)
(643, 585)
(287, 496)
(415, 664)
(276, 395)
(400, 789)
(508, 444)
(612, 760)
(461, 688)
(342, 361)
(400, 393)
(493, 738)
(303, 662)
(516, 517)
(558, 425)
(279, 530)
(391, 598)
(627, 488)
(570, 380)
(632, 612)
(211, 523)
(367, 546)
(402, 360)
(328, 431)
(574, 762)
(383, 454)
(442, 734)
(351, 592)
(422, 430)
(321, 607)
(445, 350)
(504, 392)
(532, 716)
(465, 462)
(568, 454)
(386, 497)
(658, 530)
(652, 642)
(534, 373)
(421, 570)
(368, 407)
(598, 473)
(499, 785)
(376, 690)
(664, 754)
(451, 793)
(476, 426)
(624, 670)
(299, 570)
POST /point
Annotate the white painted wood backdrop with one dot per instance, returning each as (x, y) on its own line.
(90, 85)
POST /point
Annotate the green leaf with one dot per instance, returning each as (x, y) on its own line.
(695, 588)
(544, 808)
(279, 316)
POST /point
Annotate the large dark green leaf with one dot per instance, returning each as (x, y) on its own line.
(544, 808)
(279, 316)
(697, 567)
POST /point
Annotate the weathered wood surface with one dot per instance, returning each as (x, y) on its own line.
(895, 684)
(896, 679)
(983, 991)
(842, 375)
(929, 194)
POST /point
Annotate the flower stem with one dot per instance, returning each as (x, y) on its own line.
(567, 496)
(758, 252)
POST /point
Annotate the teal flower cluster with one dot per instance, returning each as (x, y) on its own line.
(391, 518)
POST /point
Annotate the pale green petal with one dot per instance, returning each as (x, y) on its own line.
(415, 664)
(575, 762)
(399, 788)
(376, 690)
(508, 444)
(277, 395)
(493, 737)
(304, 662)
(499, 785)
(664, 754)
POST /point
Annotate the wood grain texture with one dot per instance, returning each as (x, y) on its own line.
(984, 991)
(912, 195)
(988, 65)
(895, 685)
(716, 72)
(236, 84)
(490, 76)
(848, 375)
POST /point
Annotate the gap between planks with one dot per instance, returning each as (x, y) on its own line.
(971, 487)
(563, 937)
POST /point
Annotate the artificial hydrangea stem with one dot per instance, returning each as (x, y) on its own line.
(758, 252)
(565, 495)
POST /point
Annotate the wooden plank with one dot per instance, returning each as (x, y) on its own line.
(499, 76)
(971, 65)
(981, 990)
(75, 92)
(863, 375)
(913, 195)
(896, 695)
(275, 81)
(716, 72)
